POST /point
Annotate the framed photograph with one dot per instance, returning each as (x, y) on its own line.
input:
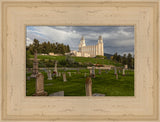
(79, 60)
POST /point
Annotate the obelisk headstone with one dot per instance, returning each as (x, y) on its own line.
(35, 66)
(55, 69)
(88, 86)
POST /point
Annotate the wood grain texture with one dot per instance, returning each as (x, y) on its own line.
(16, 14)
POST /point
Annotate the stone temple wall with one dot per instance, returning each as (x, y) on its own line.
(93, 50)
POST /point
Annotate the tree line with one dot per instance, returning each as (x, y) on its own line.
(125, 59)
(47, 47)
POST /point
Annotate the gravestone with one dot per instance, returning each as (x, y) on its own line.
(85, 74)
(126, 66)
(88, 86)
(59, 74)
(117, 76)
(123, 72)
(55, 69)
(60, 93)
(49, 75)
(69, 73)
(115, 70)
(35, 66)
(98, 94)
(90, 72)
(40, 85)
(64, 77)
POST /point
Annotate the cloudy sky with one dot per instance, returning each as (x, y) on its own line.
(118, 39)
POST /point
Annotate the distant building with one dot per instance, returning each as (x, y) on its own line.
(52, 54)
(91, 50)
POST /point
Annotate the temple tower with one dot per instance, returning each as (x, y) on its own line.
(100, 50)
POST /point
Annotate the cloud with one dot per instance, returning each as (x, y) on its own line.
(116, 38)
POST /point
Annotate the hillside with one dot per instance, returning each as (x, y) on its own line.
(83, 61)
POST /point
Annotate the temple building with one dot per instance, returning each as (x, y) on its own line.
(90, 50)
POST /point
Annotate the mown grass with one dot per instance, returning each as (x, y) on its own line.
(104, 83)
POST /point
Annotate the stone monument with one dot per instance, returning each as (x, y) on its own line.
(123, 73)
(40, 85)
(49, 75)
(35, 66)
(126, 66)
(55, 69)
(64, 77)
(117, 76)
(88, 86)
(115, 70)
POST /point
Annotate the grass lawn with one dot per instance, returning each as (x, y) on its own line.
(105, 83)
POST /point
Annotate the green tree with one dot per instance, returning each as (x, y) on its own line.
(35, 45)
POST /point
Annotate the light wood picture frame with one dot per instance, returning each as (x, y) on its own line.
(17, 14)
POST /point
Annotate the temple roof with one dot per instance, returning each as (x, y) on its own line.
(100, 38)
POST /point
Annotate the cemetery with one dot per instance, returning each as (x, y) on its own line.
(91, 66)
(79, 81)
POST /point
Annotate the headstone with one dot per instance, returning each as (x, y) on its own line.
(88, 86)
(59, 74)
(99, 71)
(69, 73)
(85, 74)
(115, 70)
(60, 93)
(35, 66)
(126, 66)
(123, 72)
(64, 77)
(49, 84)
(117, 76)
(90, 72)
(40, 85)
(49, 75)
(98, 94)
(55, 69)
